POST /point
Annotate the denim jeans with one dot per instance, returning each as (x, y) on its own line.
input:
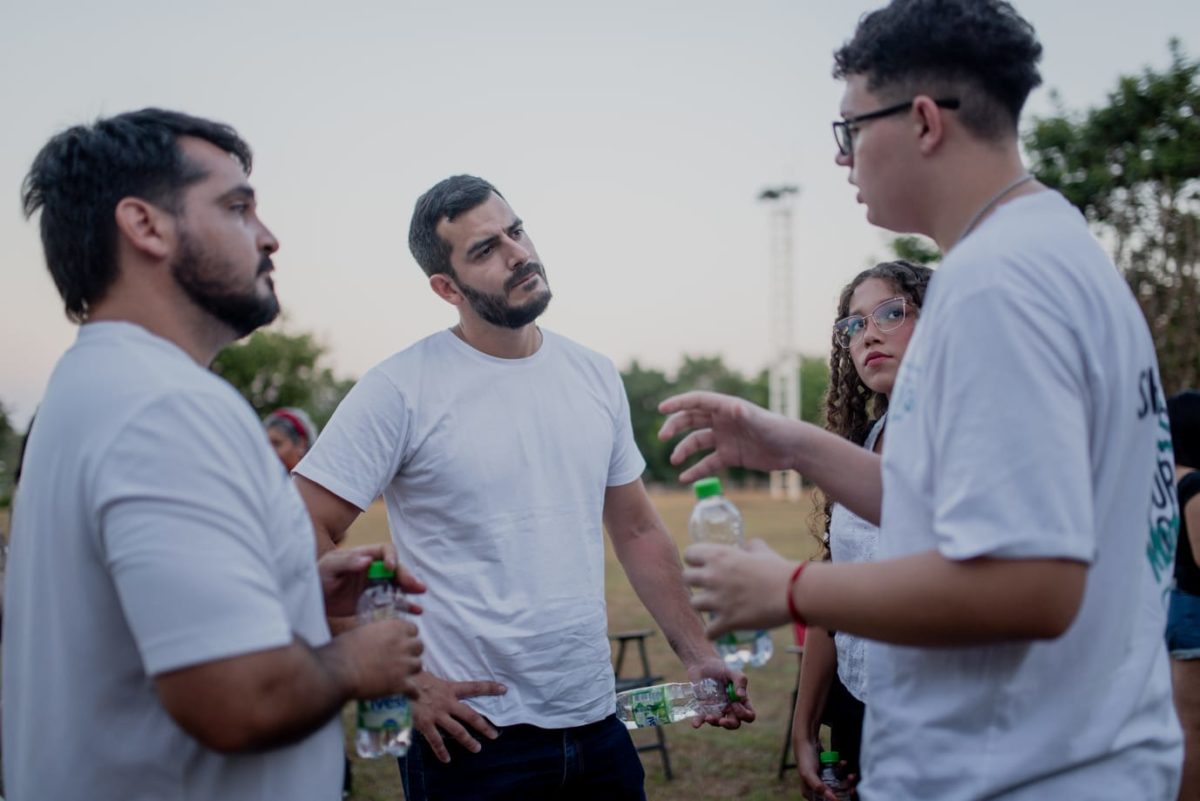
(596, 761)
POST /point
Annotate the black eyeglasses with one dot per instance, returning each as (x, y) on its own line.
(843, 129)
(888, 316)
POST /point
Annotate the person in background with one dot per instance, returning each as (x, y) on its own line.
(1183, 615)
(877, 313)
(291, 432)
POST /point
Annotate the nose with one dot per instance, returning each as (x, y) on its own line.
(267, 242)
(871, 332)
(518, 254)
(843, 160)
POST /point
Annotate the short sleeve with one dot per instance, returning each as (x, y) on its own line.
(183, 530)
(1012, 469)
(362, 448)
(626, 463)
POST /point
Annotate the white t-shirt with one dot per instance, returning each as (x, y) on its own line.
(852, 539)
(1024, 425)
(154, 529)
(494, 473)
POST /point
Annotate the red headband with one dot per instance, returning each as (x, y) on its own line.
(294, 422)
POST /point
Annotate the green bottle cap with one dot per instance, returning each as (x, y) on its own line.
(379, 570)
(830, 757)
(707, 487)
(731, 692)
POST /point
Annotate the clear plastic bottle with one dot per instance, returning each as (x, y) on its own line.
(716, 520)
(671, 703)
(384, 724)
(829, 775)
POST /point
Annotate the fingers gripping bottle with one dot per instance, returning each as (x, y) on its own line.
(716, 520)
(671, 703)
(384, 724)
(829, 775)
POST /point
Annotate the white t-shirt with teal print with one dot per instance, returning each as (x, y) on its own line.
(1026, 423)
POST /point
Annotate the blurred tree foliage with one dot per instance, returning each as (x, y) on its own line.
(1132, 167)
(646, 388)
(278, 368)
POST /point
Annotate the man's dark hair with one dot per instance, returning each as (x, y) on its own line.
(981, 52)
(456, 195)
(1184, 411)
(82, 173)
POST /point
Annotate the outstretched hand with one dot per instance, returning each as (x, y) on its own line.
(737, 433)
(742, 589)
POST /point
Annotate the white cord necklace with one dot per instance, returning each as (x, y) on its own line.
(990, 204)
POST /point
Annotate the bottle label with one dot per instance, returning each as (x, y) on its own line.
(381, 714)
(650, 707)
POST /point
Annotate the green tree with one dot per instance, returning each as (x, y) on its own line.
(10, 446)
(916, 249)
(646, 388)
(278, 368)
(1132, 166)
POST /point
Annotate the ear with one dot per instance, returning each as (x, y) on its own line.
(444, 287)
(145, 227)
(930, 126)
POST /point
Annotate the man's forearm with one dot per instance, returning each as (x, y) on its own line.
(260, 700)
(652, 564)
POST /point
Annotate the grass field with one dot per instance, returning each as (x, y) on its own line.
(707, 763)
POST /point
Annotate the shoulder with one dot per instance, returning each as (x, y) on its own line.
(1189, 486)
(580, 355)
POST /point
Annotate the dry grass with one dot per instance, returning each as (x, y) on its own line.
(707, 763)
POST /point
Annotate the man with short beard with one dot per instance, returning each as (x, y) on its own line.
(501, 448)
(167, 634)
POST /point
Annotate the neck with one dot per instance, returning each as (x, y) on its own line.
(164, 312)
(991, 169)
(503, 343)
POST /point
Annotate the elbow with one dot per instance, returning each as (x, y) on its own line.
(1058, 604)
(231, 733)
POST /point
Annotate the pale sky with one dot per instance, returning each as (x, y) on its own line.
(632, 138)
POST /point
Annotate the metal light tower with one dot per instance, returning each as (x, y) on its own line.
(784, 370)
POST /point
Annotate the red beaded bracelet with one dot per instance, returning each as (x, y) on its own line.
(791, 598)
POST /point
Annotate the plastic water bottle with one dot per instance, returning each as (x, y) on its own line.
(384, 724)
(671, 703)
(829, 775)
(716, 520)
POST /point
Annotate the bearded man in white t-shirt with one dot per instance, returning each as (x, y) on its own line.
(166, 636)
(501, 448)
(1018, 603)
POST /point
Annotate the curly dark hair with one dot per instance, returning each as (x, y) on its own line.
(979, 51)
(81, 174)
(851, 408)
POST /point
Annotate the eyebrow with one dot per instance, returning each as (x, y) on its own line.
(241, 190)
(491, 240)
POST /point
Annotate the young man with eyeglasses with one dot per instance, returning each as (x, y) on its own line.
(1025, 493)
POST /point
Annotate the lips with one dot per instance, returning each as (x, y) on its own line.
(872, 358)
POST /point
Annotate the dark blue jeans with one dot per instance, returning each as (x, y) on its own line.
(596, 761)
